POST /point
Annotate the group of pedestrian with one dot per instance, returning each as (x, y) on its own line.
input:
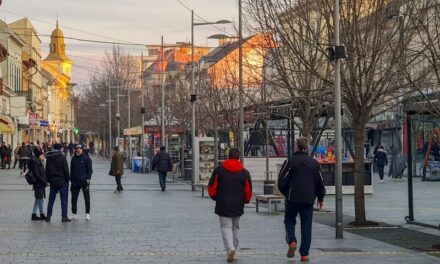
(56, 175)
(5, 155)
(300, 181)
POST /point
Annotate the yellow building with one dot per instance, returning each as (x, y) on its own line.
(60, 89)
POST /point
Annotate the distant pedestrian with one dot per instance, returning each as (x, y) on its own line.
(8, 157)
(17, 157)
(300, 181)
(381, 160)
(3, 152)
(80, 175)
(57, 175)
(37, 168)
(231, 187)
(71, 148)
(117, 169)
(25, 157)
(163, 164)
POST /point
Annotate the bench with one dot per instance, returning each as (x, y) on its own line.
(268, 198)
(203, 185)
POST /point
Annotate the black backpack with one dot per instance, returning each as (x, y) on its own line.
(30, 178)
(284, 179)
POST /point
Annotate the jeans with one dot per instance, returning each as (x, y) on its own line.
(75, 193)
(229, 227)
(118, 183)
(306, 215)
(380, 169)
(15, 163)
(64, 195)
(38, 204)
(163, 180)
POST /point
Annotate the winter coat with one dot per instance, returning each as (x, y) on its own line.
(24, 152)
(231, 187)
(3, 150)
(305, 179)
(117, 165)
(57, 169)
(37, 168)
(162, 162)
(80, 170)
(381, 158)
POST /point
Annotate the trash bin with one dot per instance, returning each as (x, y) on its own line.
(188, 170)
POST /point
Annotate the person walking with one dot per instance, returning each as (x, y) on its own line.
(37, 168)
(8, 157)
(117, 168)
(381, 160)
(162, 163)
(71, 148)
(3, 151)
(230, 186)
(17, 157)
(80, 175)
(25, 157)
(300, 181)
(57, 175)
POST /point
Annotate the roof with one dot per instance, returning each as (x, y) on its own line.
(222, 51)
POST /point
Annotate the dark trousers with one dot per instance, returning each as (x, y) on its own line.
(75, 193)
(3, 162)
(64, 195)
(25, 163)
(15, 163)
(118, 183)
(380, 169)
(163, 180)
(305, 212)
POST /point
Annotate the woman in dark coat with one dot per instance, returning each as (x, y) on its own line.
(37, 168)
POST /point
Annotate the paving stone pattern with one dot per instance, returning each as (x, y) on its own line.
(144, 225)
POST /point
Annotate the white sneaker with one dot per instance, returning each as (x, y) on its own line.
(73, 217)
(381, 180)
(88, 217)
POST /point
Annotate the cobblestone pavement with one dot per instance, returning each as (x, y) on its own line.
(145, 225)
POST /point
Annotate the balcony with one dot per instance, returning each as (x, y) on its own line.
(27, 94)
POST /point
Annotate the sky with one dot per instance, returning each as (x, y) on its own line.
(129, 21)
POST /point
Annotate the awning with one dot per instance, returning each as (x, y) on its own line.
(6, 125)
(133, 131)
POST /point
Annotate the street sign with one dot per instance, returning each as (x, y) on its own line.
(44, 123)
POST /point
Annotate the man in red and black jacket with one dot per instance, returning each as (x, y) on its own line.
(231, 187)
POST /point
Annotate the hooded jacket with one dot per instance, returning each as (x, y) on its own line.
(57, 169)
(231, 187)
(380, 158)
(80, 169)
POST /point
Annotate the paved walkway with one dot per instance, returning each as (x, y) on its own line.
(145, 225)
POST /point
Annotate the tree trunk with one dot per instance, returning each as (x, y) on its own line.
(359, 167)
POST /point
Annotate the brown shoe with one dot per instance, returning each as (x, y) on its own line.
(304, 258)
(292, 249)
(231, 256)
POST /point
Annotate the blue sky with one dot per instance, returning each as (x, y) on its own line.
(137, 21)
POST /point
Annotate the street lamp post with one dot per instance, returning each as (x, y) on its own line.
(103, 130)
(193, 96)
(338, 128)
(240, 82)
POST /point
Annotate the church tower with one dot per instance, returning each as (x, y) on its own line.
(57, 57)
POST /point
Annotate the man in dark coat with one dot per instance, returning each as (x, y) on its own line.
(381, 160)
(163, 164)
(3, 150)
(25, 157)
(231, 187)
(80, 174)
(117, 168)
(57, 175)
(37, 168)
(304, 184)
